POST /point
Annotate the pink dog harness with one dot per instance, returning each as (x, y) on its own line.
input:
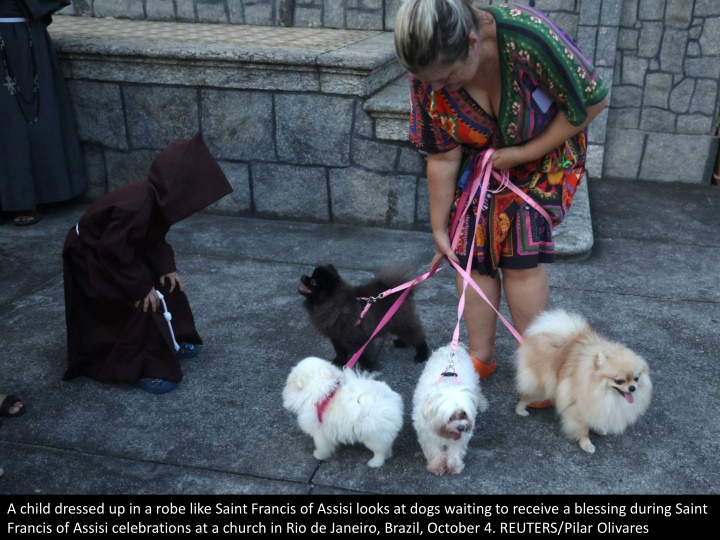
(324, 403)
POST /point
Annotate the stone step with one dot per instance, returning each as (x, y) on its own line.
(354, 62)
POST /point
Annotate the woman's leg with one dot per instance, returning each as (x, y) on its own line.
(526, 292)
(479, 317)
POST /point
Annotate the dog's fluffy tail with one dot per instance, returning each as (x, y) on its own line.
(396, 274)
(558, 322)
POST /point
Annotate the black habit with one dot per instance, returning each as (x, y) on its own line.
(116, 255)
(40, 156)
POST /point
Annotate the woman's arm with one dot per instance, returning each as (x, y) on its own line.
(557, 132)
(442, 171)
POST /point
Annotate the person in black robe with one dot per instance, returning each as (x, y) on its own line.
(40, 157)
(115, 262)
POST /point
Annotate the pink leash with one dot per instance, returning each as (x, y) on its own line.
(481, 181)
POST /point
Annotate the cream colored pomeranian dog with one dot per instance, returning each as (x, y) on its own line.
(446, 401)
(343, 406)
(595, 384)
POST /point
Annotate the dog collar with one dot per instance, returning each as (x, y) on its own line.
(324, 403)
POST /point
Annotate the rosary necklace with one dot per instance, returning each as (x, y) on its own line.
(11, 82)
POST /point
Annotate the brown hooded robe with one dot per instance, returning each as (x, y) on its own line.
(115, 257)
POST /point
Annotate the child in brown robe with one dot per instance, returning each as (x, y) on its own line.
(128, 319)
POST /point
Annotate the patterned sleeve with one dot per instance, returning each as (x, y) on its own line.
(570, 79)
(426, 133)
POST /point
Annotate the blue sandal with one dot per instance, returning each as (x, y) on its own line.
(156, 386)
(187, 350)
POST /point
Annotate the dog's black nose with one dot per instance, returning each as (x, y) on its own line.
(461, 428)
(631, 388)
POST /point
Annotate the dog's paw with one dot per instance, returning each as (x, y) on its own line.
(600, 431)
(455, 469)
(400, 344)
(520, 410)
(376, 461)
(437, 470)
(322, 456)
(586, 445)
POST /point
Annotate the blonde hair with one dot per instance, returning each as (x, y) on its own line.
(431, 30)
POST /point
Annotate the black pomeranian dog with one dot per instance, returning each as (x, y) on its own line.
(334, 310)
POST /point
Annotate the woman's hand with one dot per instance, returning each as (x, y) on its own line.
(508, 157)
(443, 248)
(174, 279)
(151, 300)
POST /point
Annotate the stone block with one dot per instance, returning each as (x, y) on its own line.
(628, 39)
(678, 13)
(623, 152)
(606, 46)
(651, 10)
(695, 124)
(706, 8)
(672, 51)
(627, 96)
(309, 17)
(158, 115)
(665, 160)
(590, 12)
(363, 122)
(693, 49)
(553, 5)
(334, 14)
(211, 11)
(238, 202)
(78, 7)
(651, 35)
(391, 9)
(629, 14)
(185, 10)
(705, 97)
(657, 120)
(704, 66)
(95, 169)
(594, 156)
(238, 125)
(628, 117)
(99, 113)
(126, 167)
(681, 94)
(411, 161)
(586, 38)
(422, 213)
(657, 90)
(392, 128)
(314, 129)
(364, 18)
(378, 156)
(365, 198)
(290, 191)
(709, 41)
(597, 128)
(611, 12)
(160, 10)
(633, 70)
(120, 9)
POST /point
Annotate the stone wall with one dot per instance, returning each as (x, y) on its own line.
(346, 14)
(665, 91)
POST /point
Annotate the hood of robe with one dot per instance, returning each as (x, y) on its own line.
(186, 178)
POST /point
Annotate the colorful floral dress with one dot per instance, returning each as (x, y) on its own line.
(540, 65)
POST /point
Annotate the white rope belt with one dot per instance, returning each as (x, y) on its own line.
(12, 19)
(168, 318)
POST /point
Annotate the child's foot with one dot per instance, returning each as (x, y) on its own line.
(484, 370)
(187, 350)
(156, 386)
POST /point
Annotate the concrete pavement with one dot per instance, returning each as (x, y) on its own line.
(649, 281)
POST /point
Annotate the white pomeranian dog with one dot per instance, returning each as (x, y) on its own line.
(594, 383)
(343, 406)
(445, 404)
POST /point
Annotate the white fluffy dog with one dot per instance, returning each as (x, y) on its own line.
(444, 410)
(342, 406)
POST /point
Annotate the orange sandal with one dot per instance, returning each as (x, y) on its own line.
(484, 370)
(540, 404)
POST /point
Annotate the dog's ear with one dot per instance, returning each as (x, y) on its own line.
(600, 360)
